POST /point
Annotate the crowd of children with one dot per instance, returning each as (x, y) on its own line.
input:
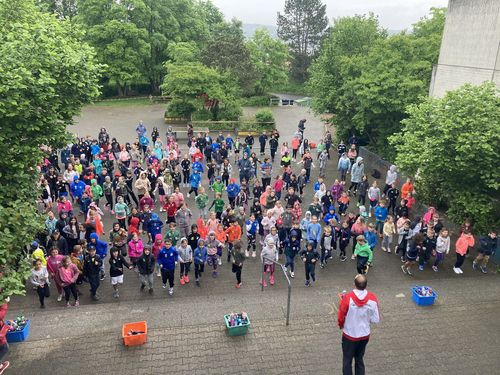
(244, 203)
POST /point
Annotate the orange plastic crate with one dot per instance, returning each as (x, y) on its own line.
(134, 340)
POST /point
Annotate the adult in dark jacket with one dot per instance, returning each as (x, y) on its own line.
(262, 141)
(487, 247)
(146, 266)
(245, 168)
(92, 264)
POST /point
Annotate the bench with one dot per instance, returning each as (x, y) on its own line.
(176, 120)
(160, 99)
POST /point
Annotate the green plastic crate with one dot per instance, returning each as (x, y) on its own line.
(238, 330)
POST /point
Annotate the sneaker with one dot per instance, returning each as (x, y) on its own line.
(307, 283)
(389, 250)
(77, 303)
(474, 265)
(254, 254)
(247, 254)
(322, 265)
(403, 259)
(237, 286)
(197, 282)
(186, 279)
(434, 268)
(484, 269)
(95, 298)
(271, 279)
(384, 249)
(115, 294)
(404, 269)
(220, 262)
(151, 291)
(68, 304)
(59, 299)
(420, 268)
(188, 195)
(353, 257)
(142, 287)
(292, 275)
(103, 276)
(4, 366)
(455, 269)
(158, 274)
(369, 214)
(343, 258)
(164, 286)
(460, 270)
(42, 306)
(182, 280)
(214, 274)
(409, 272)
(170, 291)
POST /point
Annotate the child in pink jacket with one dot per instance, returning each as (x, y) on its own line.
(54, 261)
(135, 249)
(464, 242)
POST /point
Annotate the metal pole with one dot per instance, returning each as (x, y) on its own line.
(283, 268)
(262, 277)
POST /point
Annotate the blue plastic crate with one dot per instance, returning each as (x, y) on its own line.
(18, 336)
(423, 300)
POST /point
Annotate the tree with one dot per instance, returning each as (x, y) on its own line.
(302, 26)
(132, 36)
(63, 8)
(194, 86)
(46, 75)
(349, 38)
(451, 146)
(370, 90)
(226, 50)
(270, 59)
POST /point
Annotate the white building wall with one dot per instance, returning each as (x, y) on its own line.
(470, 49)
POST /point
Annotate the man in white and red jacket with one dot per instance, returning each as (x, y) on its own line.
(358, 309)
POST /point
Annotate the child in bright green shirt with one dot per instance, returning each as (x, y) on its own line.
(363, 253)
(202, 203)
(219, 205)
(218, 186)
(173, 234)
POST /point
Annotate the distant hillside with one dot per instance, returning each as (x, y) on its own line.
(249, 29)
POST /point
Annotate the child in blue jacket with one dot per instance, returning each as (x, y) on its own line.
(167, 260)
(200, 258)
(381, 213)
(195, 181)
(371, 236)
(154, 226)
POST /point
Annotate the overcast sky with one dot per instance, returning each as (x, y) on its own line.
(393, 14)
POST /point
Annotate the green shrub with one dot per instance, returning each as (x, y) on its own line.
(264, 115)
(179, 108)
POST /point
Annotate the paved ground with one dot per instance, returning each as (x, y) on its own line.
(186, 333)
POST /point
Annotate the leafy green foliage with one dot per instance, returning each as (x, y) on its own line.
(226, 50)
(192, 84)
(451, 145)
(46, 75)
(302, 26)
(270, 58)
(368, 79)
(265, 115)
